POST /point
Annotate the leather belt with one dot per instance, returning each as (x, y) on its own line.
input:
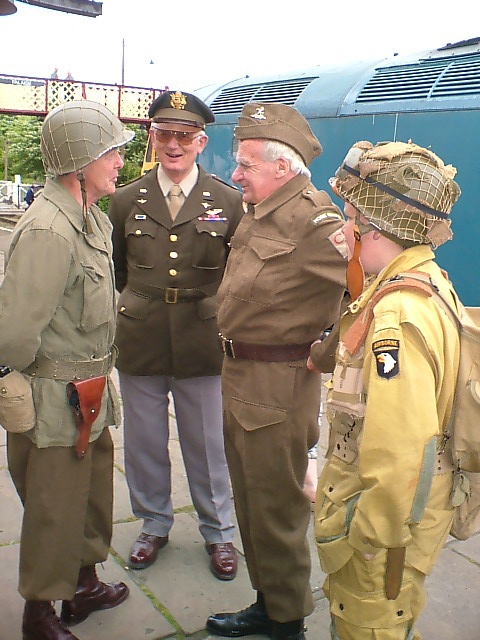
(170, 295)
(264, 352)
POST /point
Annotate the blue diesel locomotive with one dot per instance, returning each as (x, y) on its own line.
(431, 98)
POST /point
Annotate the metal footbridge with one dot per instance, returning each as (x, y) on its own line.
(20, 95)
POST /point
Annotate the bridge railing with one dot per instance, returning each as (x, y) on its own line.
(20, 95)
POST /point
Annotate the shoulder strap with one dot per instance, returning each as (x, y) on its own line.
(355, 336)
(446, 305)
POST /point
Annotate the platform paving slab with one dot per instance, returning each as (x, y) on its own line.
(173, 598)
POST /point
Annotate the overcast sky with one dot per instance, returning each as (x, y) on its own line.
(187, 45)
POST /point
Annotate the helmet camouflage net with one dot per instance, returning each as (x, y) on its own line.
(77, 133)
(402, 189)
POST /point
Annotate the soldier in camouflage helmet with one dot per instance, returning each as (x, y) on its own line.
(386, 484)
(57, 322)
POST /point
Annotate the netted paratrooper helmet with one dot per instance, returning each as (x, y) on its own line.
(77, 133)
(403, 189)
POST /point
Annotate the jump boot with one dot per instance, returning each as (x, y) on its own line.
(92, 595)
(293, 630)
(40, 622)
(252, 620)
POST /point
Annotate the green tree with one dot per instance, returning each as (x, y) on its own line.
(134, 153)
(20, 139)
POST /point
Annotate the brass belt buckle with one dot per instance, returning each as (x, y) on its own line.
(227, 346)
(171, 295)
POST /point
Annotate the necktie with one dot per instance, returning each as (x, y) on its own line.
(175, 200)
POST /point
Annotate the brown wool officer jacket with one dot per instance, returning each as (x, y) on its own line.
(152, 254)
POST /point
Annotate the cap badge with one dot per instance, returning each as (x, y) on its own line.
(178, 100)
(259, 114)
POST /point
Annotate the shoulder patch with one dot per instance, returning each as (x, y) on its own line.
(386, 357)
(337, 238)
(318, 218)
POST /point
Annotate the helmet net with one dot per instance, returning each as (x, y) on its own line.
(401, 188)
(77, 133)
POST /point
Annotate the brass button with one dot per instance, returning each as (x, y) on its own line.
(173, 237)
(173, 254)
(172, 272)
(214, 234)
(138, 232)
(122, 308)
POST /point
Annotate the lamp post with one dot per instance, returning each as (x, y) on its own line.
(123, 62)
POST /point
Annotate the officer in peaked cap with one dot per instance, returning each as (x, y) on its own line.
(183, 108)
(283, 287)
(172, 229)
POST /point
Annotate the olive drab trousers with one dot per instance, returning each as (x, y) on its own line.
(67, 521)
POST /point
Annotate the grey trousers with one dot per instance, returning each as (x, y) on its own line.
(198, 411)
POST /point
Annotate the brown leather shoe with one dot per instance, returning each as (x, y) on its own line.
(92, 595)
(223, 560)
(40, 622)
(145, 549)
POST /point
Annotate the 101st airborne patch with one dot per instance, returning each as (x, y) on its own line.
(386, 356)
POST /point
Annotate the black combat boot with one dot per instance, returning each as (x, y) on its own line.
(294, 630)
(40, 622)
(252, 620)
(92, 595)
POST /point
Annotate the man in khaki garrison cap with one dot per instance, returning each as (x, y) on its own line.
(283, 286)
(171, 235)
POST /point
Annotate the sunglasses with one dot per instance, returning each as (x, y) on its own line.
(184, 138)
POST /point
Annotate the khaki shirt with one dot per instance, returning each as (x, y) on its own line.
(57, 301)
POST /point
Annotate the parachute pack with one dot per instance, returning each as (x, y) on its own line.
(462, 434)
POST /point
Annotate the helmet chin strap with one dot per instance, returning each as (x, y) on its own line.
(86, 218)
(355, 273)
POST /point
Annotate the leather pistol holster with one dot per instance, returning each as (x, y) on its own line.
(85, 399)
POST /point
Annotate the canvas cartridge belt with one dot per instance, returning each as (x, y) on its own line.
(43, 367)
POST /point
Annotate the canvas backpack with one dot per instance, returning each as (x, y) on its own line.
(461, 436)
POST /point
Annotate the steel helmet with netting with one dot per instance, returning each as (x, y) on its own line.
(77, 133)
(404, 190)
